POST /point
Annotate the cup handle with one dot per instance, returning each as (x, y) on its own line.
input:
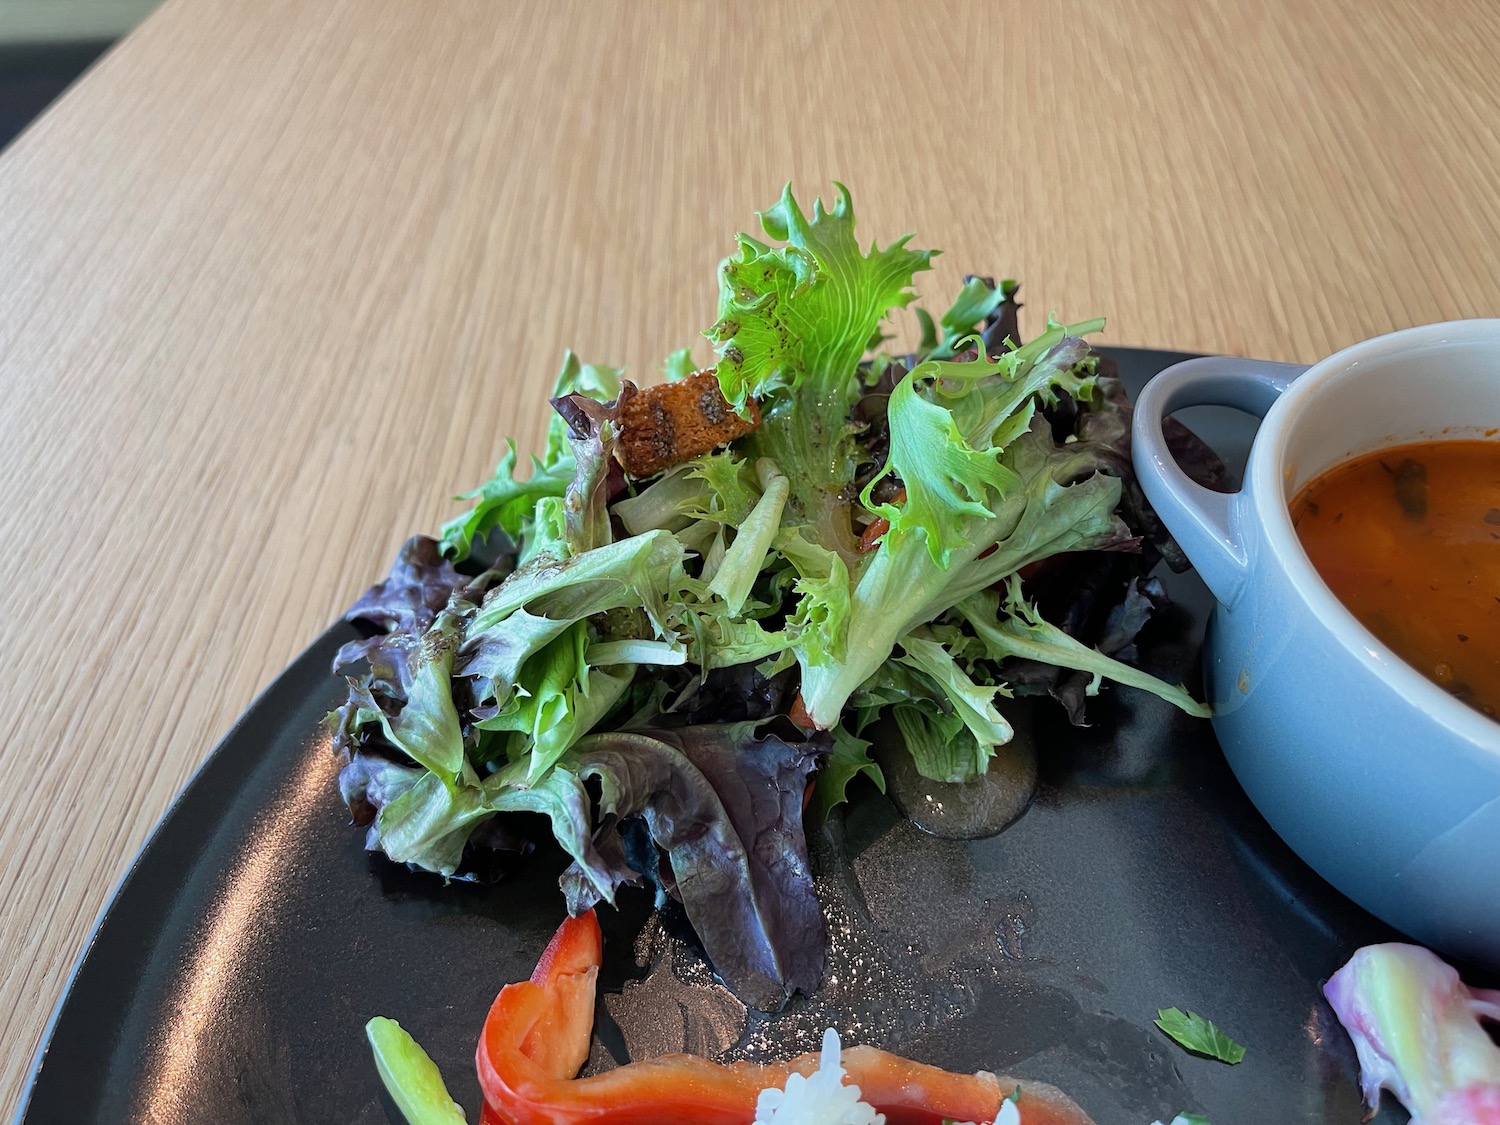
(1205, 523)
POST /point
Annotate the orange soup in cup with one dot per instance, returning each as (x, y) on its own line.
(1408, 538)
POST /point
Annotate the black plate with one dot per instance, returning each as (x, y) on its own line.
(230, 977)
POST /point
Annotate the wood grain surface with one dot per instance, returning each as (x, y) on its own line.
(276, 279)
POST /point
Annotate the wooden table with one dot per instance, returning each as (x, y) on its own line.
(276, 278)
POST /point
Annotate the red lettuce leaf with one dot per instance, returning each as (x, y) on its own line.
(725, 805)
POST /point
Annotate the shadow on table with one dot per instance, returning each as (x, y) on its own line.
(33, 75)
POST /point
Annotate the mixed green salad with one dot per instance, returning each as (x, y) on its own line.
(661, 666)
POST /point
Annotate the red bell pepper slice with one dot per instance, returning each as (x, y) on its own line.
(537, 1037)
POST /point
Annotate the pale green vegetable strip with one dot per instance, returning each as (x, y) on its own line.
(747, 554)
(410, 1076)
(635, 652)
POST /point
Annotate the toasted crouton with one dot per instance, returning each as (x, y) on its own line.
(666, 424)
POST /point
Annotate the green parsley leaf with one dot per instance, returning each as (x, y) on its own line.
(1196, 1034)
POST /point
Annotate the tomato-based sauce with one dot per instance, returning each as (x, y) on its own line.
(1409, 539)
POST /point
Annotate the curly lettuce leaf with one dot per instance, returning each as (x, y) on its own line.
(561, 797)
(976, 302)
(901, 586)
(799, 316)
(370, 780)
(848, 758)
(1022, 632)
(733, 487)
(941, 746)
(491, 659)
(986, 495)
(818, 624)
(517, 679)
(508, 504)
(559, 699)
(429, 825)
(671, 503)
(631, 573)
(972, 703)
(546, 536)
(717, 638)
(504, 502)
(947, 481)
(794, 321)
(949, 422)
(541, 601)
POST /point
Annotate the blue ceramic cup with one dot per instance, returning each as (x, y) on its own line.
(1385, 784)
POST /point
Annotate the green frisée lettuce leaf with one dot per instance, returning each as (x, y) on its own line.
(538, 603)
(819, 624)
(950, 422)
(504, 502)
(973, 704)
(633, 572)
(1021, 632)
(733, 487)
(508, 504)
(559, 698)
(794, 322)
(428, 825)
(410, 1076)
(671, 503)
(848, 758)
(902, 586)
(717, 638)
(547, 534)
(976, 302)
(941, 746)
(799, 317)
(947, 481)
(1001, 502)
